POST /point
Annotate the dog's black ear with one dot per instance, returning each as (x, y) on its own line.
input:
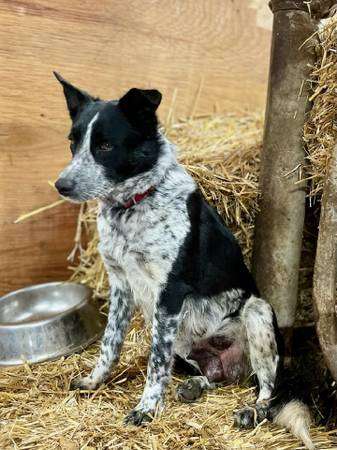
(139, 106)
(140, 100)
(76, 99)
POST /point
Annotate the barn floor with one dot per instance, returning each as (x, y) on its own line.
(37, 410)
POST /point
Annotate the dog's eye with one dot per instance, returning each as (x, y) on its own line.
(104, 147)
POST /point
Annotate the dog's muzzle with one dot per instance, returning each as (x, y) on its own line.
(65, 186)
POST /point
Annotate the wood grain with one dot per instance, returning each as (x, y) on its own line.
(105, 47)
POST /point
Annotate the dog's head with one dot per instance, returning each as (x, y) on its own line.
(110, 141)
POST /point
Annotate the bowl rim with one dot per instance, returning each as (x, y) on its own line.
(84, 300)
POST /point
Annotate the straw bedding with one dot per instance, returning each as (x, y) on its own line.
(38, 411)
(222, 153)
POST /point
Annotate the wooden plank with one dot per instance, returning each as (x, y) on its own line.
(105, 47)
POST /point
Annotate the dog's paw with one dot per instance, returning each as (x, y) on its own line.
(138, 417)
(189, 391)
(245, 417)
(83, 383)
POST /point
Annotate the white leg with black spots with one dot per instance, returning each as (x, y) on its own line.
(164, 332)
(258, 320)
(120, 313)
(257, 316)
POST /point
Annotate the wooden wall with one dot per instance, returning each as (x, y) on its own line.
(106, 47)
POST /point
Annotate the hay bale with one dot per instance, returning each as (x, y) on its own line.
(320, 136)
(320, 131)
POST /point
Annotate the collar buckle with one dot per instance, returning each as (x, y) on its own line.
(138, 198)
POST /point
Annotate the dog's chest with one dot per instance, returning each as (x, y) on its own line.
(142, 246)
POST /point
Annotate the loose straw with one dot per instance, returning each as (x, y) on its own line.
(38, 211)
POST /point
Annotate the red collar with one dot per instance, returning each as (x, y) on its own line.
(138, 198)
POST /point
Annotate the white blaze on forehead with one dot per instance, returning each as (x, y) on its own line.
(87, 138)
(82, 156)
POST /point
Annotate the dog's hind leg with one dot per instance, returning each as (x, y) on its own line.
(264, 352)
(260, 327)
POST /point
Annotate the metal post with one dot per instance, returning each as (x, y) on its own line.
(279, 225)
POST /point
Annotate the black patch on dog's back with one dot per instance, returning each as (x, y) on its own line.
(210, 261)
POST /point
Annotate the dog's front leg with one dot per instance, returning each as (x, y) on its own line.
(120, 313)
(164, 331)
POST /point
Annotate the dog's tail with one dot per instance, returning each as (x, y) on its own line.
(295, 416)
(287, 408)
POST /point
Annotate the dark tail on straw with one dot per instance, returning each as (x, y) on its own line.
(288, 408)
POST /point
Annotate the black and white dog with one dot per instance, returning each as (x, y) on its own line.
(167, 252)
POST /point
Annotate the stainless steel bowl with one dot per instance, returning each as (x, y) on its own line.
(45, 322)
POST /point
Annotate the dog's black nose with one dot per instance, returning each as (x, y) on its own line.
(64, 186)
